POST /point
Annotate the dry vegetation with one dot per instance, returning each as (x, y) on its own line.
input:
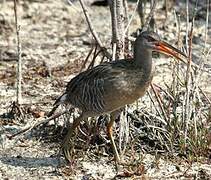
(166, 134)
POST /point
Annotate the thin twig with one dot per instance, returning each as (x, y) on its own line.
(19, 64)
(87, 58)
(133, 15)
(126, 33)
(94, 33)
(148, 19)
(37, 123)
(114, 28)
(91, 64)
(96, 53)
(118, 36)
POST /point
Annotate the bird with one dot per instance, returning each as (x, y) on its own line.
(110, 86)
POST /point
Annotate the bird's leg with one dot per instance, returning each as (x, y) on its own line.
(67, 144)
(110, 135)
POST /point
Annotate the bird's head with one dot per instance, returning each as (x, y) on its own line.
(152, 42)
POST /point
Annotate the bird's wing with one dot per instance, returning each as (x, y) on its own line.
(87, 89)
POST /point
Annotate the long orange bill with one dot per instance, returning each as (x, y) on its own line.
(170, 50)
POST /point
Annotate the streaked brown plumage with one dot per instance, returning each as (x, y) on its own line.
(110, 86)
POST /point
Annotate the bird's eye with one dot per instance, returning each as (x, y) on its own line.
(150, 39)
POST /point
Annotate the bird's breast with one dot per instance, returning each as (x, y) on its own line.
(127, 90)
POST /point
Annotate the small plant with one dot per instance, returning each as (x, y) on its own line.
(179, 120)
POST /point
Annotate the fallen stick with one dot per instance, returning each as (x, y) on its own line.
(36, 124)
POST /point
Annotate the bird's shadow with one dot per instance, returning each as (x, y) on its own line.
(31, 162)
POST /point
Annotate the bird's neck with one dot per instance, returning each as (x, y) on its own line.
(143, 60)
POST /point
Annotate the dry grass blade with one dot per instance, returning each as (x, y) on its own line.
(159, 102)
(154, 104)
(206, 24)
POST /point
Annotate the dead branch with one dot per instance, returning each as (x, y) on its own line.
(118, 36)
(126, 32)
(113, 23)
(120, 39)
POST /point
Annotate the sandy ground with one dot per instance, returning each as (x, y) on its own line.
(55, 40)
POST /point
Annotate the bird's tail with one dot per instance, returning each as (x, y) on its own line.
(61, 100)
